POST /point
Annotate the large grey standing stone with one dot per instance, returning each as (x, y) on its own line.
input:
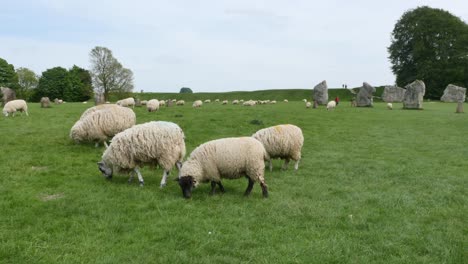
(393, 94)
(7, 95)
(414, 95)
(364, 96)
(321, 93)
(453, 94)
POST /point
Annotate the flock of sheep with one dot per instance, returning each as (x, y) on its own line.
(160, 143)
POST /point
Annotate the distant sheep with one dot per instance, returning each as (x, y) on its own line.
(102, 123)
(127, 102)
(58, 101)
(153, 143)
(249, 103)
(144, 102)
(217, 100)
(331, 105)
(45, 102)
(12, 107)
(152, 105)
(273, 102)
(162, 103)
(304, 100)
(285, 100)
(308, 104)
(207, 101)
(197, 103)
(225, 102)
(282, 141)
(180, 102)
(229, 158)
(234, 102)
(389, 106)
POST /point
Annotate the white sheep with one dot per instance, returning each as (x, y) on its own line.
(234, 102)
(282, 141)
(389, 106)
(16, 105)
(180, 102)
(127, 102)
(331, 105)
(304, 100)
(217, 100)
(153, 143)
(101, 123)
(229, 158)
(308, 104)
(249, 103)
(225, 102)
(152, 105)
(162, 103)
(197, 103)
(285, 100)
(144, 102)
(207, 101)
(273, 102)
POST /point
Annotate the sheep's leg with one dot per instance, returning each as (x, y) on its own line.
(164, 177)
(140, 178)
(221, 187)
(105, 144)
(285, 165)
(96, 144)
(132, 174)
(213, 186)
(264, 189)
(179, 167)
(249, 187)
(296, 165)
(26, 113)
(270, 165)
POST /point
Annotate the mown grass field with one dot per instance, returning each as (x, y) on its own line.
(374, 186)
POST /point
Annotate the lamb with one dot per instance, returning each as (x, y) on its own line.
(16, 105)
(282, 141)
(152, 105)
(389, 106)
(331, 105)
(197, 103)
(180, 102)
(102, 123)
(308, 104)
(45, 102)
(127, 102)
(153, 143)
(229, 158)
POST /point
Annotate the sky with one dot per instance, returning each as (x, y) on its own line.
(214, 46)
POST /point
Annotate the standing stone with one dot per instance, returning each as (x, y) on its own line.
(414, 95)
(8, 95)
(321, 93)
(364, 96)
(137, 102)
(393, 94)
(98, 98)
(459, 108)
(453, 94)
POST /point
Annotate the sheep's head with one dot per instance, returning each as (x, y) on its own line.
(187, 183)
(106, 170)
(5, 112)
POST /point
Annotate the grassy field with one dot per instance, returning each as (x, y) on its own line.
(374, 186)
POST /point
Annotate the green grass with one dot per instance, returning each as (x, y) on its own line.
(374, 186)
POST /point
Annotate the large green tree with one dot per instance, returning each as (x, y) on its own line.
(185, 90)
(81, 88)
(8, 76)
(53, 84)
(431, 45)
(108, 73)
(27, 82)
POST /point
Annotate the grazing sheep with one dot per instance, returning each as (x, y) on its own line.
(144, 102)
(58, 101)
(308, 104)
(180, 102)
(285, 100)
(225, 102)
(282, 141)
(389, 106)
(241, 101)
(174, 100)
(331, 105)
(234, 102)
(153, 143)
(16, 105)
(229, 158)
(304, 100)
(249, 103)
(162, 103)
(152, 105)
(207, 101)
(197, 103)
(45, 102)
(127, 102)
(101, 123)
(217, 101)
(273, 102)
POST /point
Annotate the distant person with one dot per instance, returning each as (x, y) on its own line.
(346, 86)
(337, 100)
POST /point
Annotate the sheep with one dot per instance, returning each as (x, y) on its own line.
(234, 102)
(180, 102)
(308, 104)
(282, 141)
(197, 103)
(285, 100)
(144, 102)
(304, 100)
(225, 102)
(389, 106)
(153, 143)
(249, 103)
(241, 101)
(207, 101)
(58, 101)
(162, 103)
(152, 105)
(85, 102)
(16, 105)
(216, 100)
(102, 122)
(331, 105)
(45, 102)
(273, 102)
(127, 102)
(229, 158)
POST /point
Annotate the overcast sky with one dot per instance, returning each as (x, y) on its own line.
(213, 45)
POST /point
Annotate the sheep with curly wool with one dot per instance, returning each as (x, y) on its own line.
(96, 108)
(152, 105)
(12, 107)
(282, 141)
(153, 143)
(331, 105)
(228, 158)
(127, 102)
(101, 123)
(197, 103)
(180, 102)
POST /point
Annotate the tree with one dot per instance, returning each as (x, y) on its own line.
(8, 76)
(431, 45)
(52, 84)
(108, 74)
(27, 82)
(185, 90)
(81, 88)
